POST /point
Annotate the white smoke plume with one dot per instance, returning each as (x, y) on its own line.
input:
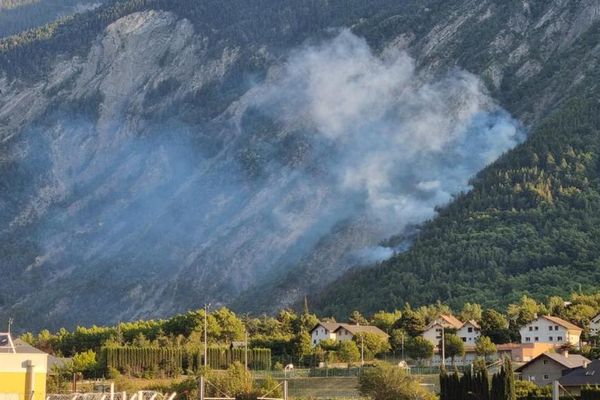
(404, 142)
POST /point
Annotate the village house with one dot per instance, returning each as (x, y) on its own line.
(23, 370)
(323, 331)
(341, 332)
(548, 329)
(523, 352)
(433, 331)
(469, 332)
(347, 332)
(549, 366)
(595, 325)
(581, 377)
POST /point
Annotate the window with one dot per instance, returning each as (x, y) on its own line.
(556, 327)
(528, 339)
(464, 339)
(315, 341)
(537, 339)
(470, 330)
(559, 338)
(530, 328)
(550, 328)
(546, 377)
(537, 328)
(550, 338)
(545, 362)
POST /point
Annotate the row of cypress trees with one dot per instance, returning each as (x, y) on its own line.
(180, 359)
(476, 386)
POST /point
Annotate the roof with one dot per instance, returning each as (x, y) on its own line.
(21, 347)
(472, 322)
(355, 329)
(450, 321)
(56, 362)
(563, 323)
(330, 326)
(583, 376)
(569, 362)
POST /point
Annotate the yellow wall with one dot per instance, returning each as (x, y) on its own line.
(15, 382)
(13, 374)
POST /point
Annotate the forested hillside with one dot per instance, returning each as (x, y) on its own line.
(17, 16)
(159, 154)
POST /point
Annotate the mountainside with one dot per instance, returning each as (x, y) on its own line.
(157, 155)
(530, 223)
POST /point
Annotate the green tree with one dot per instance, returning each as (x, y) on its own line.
(471, 312)
(386, 320)
(348, 351)
(418, 348)
(85, 363)
(386, 382)
(454, 347)
(372, 343)
(411, 322)
(495, 326)
(485, 347)
(231, 327)
(358, 319)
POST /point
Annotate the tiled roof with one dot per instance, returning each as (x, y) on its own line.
(452, 320)
(563, 323)
(21, 348)
(569, 362)
(330, 326)
(354, 329)
(583, 376)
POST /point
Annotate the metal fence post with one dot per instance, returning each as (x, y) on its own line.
(285, 390)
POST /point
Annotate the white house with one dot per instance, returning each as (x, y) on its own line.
(548, 329)
(595, 325)
(323, 331)
(469, 332)
(347, 332)
(433, 331)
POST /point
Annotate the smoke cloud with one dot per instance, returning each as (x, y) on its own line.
(405, 142)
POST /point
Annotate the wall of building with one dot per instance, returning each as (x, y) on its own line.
(468, 333)
(433, 335)
(343, 335)
(320, 333)
(15, 379)
(542, 372)
(544, 331)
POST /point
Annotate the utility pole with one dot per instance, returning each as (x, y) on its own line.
(246, 351)
(402, 346)
(443, 347)
(10, 322)
(362, 350)
(206, 336)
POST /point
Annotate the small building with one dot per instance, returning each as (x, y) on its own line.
(549, 367)
(549, 329)
(433, 331)
(347, 332)
(581, 377)
(23, 370)
(469, 332)
(595, 325)
(323, 331)
(523, 352)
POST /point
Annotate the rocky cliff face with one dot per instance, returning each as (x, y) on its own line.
(147, 176)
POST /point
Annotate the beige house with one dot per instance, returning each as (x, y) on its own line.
(549, 367)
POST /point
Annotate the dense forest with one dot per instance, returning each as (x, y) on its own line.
(530, 226)
(18, 16)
